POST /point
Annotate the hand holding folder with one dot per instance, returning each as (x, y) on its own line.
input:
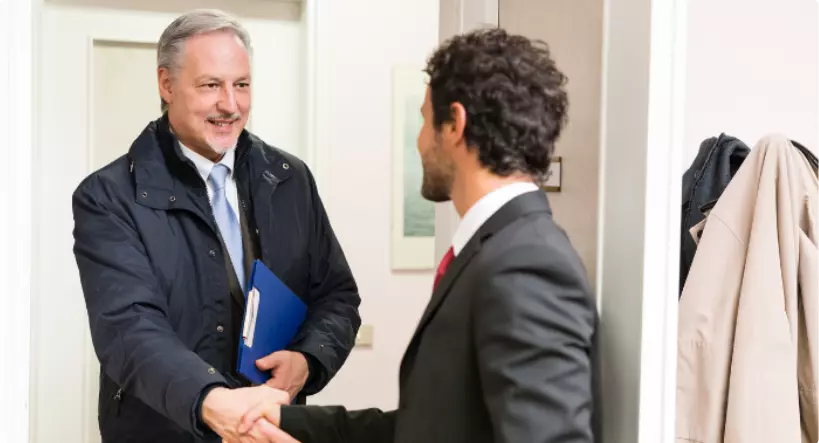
(273, 317)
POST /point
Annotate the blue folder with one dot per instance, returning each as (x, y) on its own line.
(273, 317)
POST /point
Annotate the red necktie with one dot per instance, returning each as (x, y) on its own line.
(448, 257)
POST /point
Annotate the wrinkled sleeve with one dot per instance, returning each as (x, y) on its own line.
(335, 424)
(534, 327)
(127, 312)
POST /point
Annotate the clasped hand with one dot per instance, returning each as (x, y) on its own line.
(251, 415)
(246, 415)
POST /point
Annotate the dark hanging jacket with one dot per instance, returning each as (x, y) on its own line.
(717, 161)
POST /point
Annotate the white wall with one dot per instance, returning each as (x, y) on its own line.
(16, 123)
(753, 68)
(359, 42)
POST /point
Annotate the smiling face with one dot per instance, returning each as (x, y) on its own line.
(208, 92)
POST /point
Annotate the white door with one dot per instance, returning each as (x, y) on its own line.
(97, 92)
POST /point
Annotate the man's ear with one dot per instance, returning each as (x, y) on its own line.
(457, 123)
(165, 84)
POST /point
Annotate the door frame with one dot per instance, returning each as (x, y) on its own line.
(642, 122)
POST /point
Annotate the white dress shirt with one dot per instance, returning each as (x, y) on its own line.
(204, 166)
(484, 208)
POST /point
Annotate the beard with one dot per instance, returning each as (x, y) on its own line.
(220, 147)
(438, 176)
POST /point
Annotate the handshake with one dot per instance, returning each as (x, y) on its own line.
(246, 415)
(252, 415)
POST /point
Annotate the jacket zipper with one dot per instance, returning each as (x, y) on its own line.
(118, 400)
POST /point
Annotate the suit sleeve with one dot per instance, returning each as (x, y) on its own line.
(127, 312)
(332, 315)
(335, 424)
(534, 328)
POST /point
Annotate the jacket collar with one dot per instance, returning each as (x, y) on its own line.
(483, 209)
(163, 176)
(521, 206)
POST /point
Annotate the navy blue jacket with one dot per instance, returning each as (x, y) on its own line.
(163, 322)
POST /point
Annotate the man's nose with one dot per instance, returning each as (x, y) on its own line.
(227, 101)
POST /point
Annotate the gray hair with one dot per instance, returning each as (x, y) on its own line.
(196, 22)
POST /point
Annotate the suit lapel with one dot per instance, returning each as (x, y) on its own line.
(438, 295)
(518, 207)
(453, 271)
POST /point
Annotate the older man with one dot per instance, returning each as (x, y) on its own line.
(164, 239)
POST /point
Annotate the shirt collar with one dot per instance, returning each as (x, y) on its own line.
(204, 165)
(484, 208)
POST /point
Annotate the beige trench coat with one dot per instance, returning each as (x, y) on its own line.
(747, 368)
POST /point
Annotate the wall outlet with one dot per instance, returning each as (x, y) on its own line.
(364, 338)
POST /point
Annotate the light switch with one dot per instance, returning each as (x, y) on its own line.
(364, 338)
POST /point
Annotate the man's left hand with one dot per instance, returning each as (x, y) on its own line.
(289, 370)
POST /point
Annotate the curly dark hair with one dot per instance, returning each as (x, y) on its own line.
(513, 95)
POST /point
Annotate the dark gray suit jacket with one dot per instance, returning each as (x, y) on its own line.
(505, 351)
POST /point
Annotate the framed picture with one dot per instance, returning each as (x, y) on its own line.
(413, 217)
(555, 171)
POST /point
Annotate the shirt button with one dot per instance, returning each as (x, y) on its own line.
(212, 253)
(220, 328)
(211, 371)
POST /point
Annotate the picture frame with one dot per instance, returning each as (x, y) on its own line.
(413, 217)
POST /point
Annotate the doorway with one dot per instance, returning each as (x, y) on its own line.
(97, 91)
